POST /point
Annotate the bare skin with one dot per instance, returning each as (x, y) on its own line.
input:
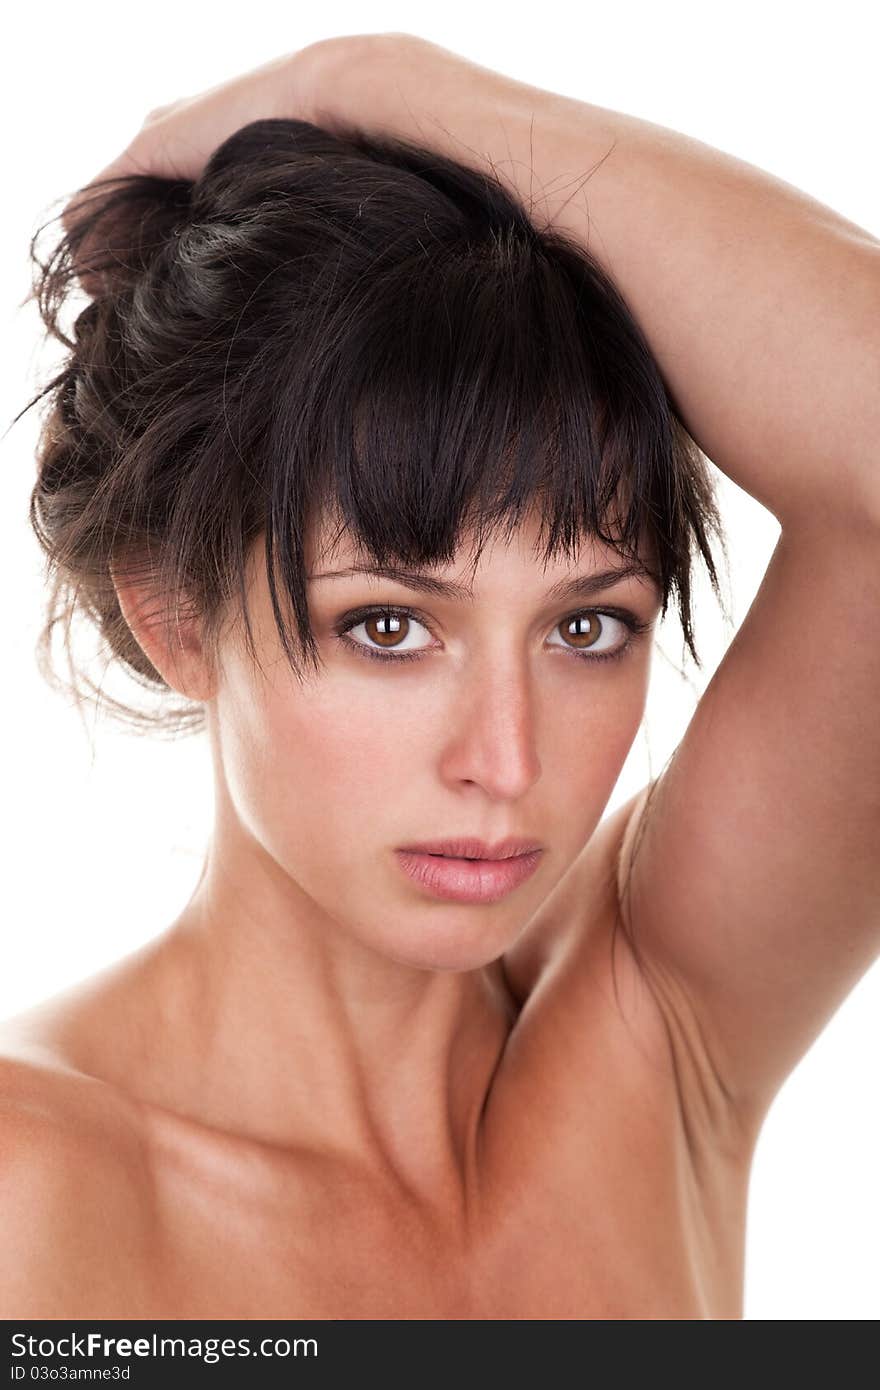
(590, 1184)
(320, 1074)
(316, 1095)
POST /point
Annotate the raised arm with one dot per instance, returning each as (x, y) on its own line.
(761, 305)
(755, 893)
(755, 889)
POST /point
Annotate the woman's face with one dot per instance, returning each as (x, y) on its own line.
(507, 713)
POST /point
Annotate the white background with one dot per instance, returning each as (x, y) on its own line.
(103, 835)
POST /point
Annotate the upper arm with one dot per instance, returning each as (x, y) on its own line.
(754, 866)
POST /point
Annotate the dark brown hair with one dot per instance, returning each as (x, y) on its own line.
(341, 322)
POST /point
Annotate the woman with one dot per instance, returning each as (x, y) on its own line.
(341, 400)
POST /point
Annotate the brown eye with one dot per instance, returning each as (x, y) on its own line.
(386, 628)
(583, 630)
(389, 630)
(592, 633)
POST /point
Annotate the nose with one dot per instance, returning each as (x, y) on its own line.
(492, 741)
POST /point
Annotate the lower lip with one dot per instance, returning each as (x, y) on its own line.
(465, 880)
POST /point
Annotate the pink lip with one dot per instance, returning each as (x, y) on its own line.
(468, 847)
(463, 880)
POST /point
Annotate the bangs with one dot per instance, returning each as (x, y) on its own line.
(470, 387)
(345, 328)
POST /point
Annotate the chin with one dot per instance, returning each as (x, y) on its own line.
(459, 939)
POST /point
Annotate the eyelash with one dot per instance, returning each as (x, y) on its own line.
(629, 620)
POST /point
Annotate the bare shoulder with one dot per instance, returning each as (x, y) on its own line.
(75, 1194)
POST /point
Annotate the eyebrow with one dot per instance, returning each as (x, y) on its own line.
(582, 586)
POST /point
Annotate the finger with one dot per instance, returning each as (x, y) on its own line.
(177, 139)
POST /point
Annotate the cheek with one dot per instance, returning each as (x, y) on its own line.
(587, 742)
(306, 767)
(588, 734)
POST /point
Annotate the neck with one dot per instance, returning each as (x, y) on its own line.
(309, 1037)
(255, 1013)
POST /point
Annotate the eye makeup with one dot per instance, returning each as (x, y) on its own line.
(635, 626)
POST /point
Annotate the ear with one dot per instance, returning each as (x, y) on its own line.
(178, 655)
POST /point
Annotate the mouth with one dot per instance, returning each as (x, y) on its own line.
(467, 878)
(471, 850)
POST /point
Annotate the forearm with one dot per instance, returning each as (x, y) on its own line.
(760, 305)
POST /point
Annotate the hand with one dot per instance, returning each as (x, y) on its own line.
(376, 82)
(176, 140)
(337, 83)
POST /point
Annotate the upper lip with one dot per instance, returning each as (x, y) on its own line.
(475, 849)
